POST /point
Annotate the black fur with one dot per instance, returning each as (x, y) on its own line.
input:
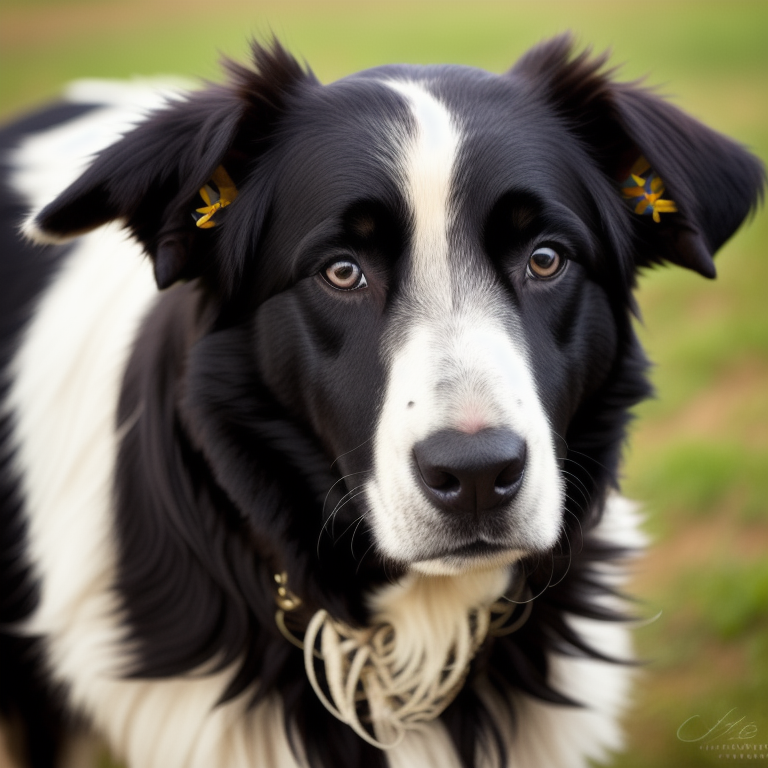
(240, 407)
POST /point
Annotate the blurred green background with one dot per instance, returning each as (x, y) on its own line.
(698, 458)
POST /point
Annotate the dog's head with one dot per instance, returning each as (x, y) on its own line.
(421, 293)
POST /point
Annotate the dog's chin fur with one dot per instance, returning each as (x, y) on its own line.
(457, 566)
(164, 455)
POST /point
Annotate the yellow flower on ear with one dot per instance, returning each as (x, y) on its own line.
(214, 200)
(644, 192)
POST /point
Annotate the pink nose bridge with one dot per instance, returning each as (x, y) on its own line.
(471, 418)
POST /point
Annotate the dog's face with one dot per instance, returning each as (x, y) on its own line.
(433, 270)
(441, 314)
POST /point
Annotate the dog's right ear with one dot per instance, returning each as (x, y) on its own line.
(152, 178)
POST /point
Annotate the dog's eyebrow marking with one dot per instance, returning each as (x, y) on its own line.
(428, 160)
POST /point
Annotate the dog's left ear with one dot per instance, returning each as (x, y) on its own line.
(711, 183)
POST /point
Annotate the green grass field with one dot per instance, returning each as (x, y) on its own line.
(698, 458)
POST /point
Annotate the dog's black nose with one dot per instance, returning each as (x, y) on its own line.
(474, 473)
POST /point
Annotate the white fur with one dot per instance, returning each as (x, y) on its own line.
(138, 95)
(460, 362)
(429, 157)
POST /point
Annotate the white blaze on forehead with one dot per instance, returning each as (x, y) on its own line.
(458, 359)
(427, 166)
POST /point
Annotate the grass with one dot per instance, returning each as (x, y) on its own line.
(698, 457)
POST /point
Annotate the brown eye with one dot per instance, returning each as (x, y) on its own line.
(544, 263)
(345, 275)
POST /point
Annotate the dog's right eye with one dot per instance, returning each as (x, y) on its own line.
(545, 263)
(345, 275)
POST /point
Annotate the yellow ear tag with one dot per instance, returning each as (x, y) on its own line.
(215, 198)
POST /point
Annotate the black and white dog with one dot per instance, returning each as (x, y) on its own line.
(342, 493)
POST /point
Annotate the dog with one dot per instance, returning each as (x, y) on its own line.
(344, 490)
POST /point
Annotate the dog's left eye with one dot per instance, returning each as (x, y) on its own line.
(345, 275)
(545, 263)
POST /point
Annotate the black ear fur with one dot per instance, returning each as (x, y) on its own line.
(151, 178)
(713, 180)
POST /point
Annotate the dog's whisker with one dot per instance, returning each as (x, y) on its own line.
(580, 507)
(362, 558)
(341, 480)
(561, 438)
(581, 530)
(587, 456)
(351, 450)
(578, 484)
(349, 525)
(351, 494)
(568, 567)
(352, 540)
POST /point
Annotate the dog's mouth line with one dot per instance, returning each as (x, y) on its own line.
(479, 546)
(476, 549)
